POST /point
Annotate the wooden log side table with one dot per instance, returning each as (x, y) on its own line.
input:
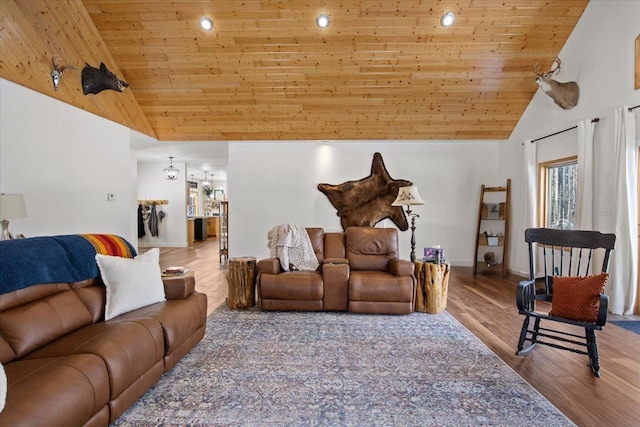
(241, 279)
(432, 286)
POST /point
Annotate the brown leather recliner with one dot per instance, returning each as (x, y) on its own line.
(379, 282)
(323, 289)
(359, 271)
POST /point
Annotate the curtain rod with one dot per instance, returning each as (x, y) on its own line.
(633, 108)
(596, 120)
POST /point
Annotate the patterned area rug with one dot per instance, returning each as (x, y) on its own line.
(336, 369)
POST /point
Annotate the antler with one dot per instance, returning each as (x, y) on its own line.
(60, 68)
(536, 70)
(557, 62)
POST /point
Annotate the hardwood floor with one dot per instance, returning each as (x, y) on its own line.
(201, 258)
(485, 304)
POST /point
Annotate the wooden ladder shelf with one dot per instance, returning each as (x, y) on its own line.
(493, 215)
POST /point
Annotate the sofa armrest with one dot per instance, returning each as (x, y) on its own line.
(401, 267)
(335, 261)
(179, 287)
(269, 265)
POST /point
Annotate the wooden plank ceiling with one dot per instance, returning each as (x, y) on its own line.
(382, 70)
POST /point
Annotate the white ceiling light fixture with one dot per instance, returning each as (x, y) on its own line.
(447, 19)
(323, 20)
(171, 173)
(206, 182)
(206, 23)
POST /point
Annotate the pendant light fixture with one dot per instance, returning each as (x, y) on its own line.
(206, 182)
(171, 173)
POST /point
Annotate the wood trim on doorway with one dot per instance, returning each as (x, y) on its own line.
(637, 86)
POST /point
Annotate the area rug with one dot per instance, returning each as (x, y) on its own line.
(337, 369)
(631, 325)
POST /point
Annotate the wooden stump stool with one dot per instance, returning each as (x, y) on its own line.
(432, 286)
(241, 278)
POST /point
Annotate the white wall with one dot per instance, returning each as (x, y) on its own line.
(599, 56)
(172, 231)
(276, 183)
(64, 161)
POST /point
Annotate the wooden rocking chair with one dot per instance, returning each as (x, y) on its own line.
(569, 258)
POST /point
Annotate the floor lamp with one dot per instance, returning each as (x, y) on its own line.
(409, 196)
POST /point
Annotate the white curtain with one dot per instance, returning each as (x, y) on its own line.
(622, 286)
(531, 187)
(585, 175)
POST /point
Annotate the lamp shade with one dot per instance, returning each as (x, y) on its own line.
(12, 206)
(408, 196)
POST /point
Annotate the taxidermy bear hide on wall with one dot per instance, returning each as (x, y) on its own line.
(368, 201)
(95, 80)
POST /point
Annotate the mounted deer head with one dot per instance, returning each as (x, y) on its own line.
(564, 94)
(56, 73)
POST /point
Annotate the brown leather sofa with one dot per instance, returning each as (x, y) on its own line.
(66, 366)
(359, 272)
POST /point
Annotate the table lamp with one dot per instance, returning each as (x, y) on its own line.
(408, 196)
(11, 207)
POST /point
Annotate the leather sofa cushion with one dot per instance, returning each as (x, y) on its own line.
(32, 293)
(292, 285)
(176, 317)
(53, 385)
(371, 248)
(380, 307)
(93, 297)
(32, 325)
(130, 348)
(334, 246)
(290, 305)
(377, 286)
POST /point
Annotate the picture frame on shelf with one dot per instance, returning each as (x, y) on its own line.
(433, 254)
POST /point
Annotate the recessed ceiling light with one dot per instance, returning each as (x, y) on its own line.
(206, 23)
(322, 21)
(447, 19)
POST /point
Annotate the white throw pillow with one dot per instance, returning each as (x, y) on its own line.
(3, 387)
(131, 283)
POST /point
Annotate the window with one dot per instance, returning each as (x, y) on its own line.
(193, 208)
(558, 193)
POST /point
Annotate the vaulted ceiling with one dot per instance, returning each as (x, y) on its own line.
(383, 69)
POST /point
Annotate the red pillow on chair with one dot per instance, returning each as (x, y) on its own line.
(578, 298)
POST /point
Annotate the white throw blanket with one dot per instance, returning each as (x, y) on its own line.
(3, 387)
(290, 243)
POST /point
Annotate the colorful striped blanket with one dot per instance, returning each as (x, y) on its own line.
(56, 259)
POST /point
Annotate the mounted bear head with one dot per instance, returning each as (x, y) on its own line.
(95, 80)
